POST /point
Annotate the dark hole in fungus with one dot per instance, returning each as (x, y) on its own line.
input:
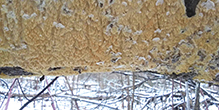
(101, 5)
(111, 1)
(54, 68)
(191, 7)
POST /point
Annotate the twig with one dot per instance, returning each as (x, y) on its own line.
(187, 96)
(196, 104)
(4, 82)
(71, 92)
(22, 90)
(53, 106)
(39, 93)
(172, 93)
(133, 91)
(84, 100)
(9, 94)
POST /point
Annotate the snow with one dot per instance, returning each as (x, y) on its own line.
(102, 91)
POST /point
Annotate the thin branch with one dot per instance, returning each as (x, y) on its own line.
(4, 82)
(22, 90)
(9, 94)
(39, 93)
(53, 106)
(133, 90)
(197, 104)
(71, 92)
(187, 96)
(84, 100)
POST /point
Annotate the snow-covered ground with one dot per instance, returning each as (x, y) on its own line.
(105, 91)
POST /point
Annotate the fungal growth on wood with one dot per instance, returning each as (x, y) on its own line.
(72, 37)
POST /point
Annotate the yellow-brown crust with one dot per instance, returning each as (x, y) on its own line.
(100, 37)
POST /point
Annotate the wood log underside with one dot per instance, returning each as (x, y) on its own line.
(62, 37)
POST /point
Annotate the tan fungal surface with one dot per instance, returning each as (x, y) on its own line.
(109, 35)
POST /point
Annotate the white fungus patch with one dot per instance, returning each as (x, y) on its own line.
(200, 32)
(4, 8)
(159, 2)
(164, 39)
(100, 63)
(207, 28)
(26, 16)
(208, 5)
(200, 14)
(167, 13)
(12, 15)
(157, 31)
(139, 2)
(58, 25)
(118, 53)
(91, 16)
(141, 58)
(137, 32)
(146, 42)
(6, 29)
(127, 29)
(181, 41)
(149, 57)
(120, 66)
(124, 3)
(156, 39)
(134, 42)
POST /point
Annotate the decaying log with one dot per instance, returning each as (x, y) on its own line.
(54, 37)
